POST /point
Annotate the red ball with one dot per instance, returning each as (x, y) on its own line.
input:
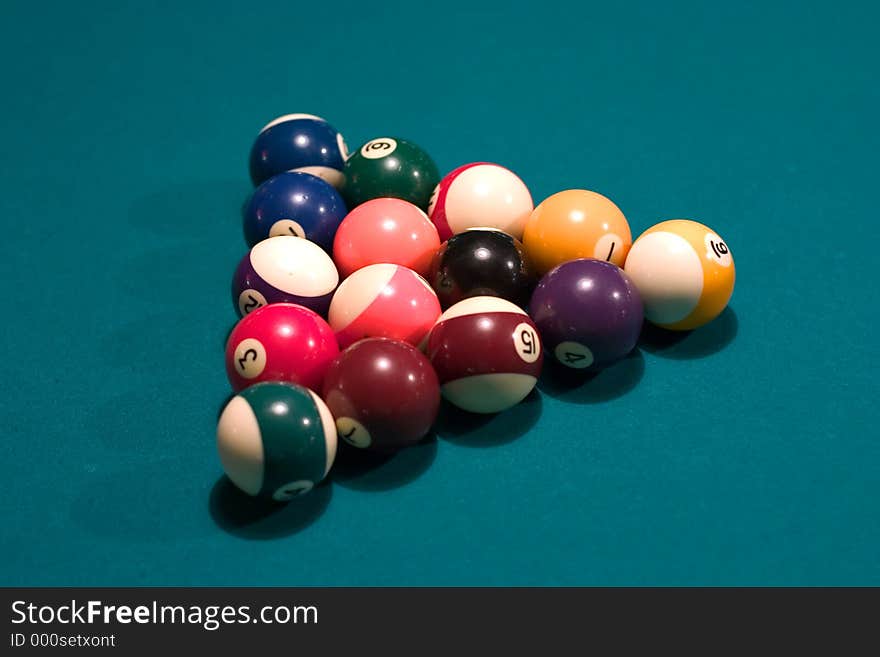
(385, 230)
(385, 301)
(487, 354)
(280, 342)
(383, 393)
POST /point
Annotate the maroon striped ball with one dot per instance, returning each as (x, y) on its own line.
(487, 354)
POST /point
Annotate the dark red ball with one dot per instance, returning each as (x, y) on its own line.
(383, 393)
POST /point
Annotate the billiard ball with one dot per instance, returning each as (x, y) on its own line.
(576, 224)
(298, 142)
(389, 166)
(684, 272)
(383, 393)
(487, 354)
(482, 262)
(276, 440)
(480, 194)
(280, 342)
(385, 230)
(383, 300)
(294, 203)
(284, 269)
(588, 313)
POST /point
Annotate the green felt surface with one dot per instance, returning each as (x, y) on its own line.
(744, 453)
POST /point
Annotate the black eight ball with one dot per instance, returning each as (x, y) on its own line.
(482, 261)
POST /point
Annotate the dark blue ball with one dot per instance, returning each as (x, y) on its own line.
(298, 142)
(294, 203)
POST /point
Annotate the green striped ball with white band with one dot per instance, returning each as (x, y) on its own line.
(276, 440)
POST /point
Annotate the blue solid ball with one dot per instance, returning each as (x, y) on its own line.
(298, 142)
(294, 203)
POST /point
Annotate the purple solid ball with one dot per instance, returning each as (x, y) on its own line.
(588, 312)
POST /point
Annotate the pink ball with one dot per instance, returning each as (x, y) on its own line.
(280, 342)
(385, 230)
(383, 300)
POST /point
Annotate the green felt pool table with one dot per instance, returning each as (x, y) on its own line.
(745, 452)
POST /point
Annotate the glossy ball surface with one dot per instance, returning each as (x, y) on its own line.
(487, 354)
(276, 440)
(480, 194)
(298, 142)
(588, 312)
(284, 269)
(280, 342)
(684, 272)
(481, 262)
(576, 224)
(297, 204)
(385, 230)
(389, 167)
(386, 301)
(383, 393)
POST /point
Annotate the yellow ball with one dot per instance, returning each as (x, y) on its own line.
(684, 272)
(576, 224)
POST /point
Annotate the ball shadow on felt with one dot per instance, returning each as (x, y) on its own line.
(249, 517)
(582, 387)
(364, 470)
(487, 430)
(698, 343)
